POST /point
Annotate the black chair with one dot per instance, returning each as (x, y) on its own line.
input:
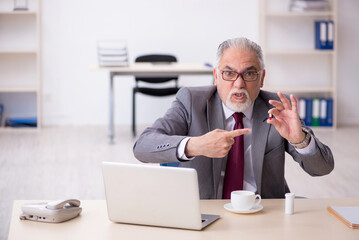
(157, 92)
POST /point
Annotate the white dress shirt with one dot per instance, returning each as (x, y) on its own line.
(249, 182)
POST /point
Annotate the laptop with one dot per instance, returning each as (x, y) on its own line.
(154, 195)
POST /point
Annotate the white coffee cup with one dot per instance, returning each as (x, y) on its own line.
(244, 200)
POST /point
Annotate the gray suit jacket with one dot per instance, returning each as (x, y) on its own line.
(198, 110)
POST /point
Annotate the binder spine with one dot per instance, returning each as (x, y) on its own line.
(315, 112)
(323, 112)
(320, 35)
(330, 42)
(301, 108)
(308, 111)
(329, 121)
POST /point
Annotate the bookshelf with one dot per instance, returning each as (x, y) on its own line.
(20, 61)
(293, 64)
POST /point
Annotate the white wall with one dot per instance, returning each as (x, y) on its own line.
(348, 62)
(191, 29)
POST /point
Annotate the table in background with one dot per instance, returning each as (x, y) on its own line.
(309, 221)
(150, 69)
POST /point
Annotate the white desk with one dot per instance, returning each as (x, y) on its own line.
(309, 221)
(150, 69)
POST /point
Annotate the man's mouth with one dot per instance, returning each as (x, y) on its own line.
(239, 96)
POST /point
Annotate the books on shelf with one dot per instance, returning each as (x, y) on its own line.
(21, 122)
(316, 112)
(1, 113)
(308, 5)
(324, 34)
(348, 215)
(112, 53)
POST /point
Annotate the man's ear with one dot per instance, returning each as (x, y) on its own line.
(215, 76)
(262, 77)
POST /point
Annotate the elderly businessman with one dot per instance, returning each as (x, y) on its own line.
(227, 133)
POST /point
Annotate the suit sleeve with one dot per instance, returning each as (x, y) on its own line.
(159, 143)
(318, 164)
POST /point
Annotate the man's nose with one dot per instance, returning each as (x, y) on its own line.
(239, 83)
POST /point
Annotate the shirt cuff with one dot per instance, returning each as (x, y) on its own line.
(181, 148)
(310, 149)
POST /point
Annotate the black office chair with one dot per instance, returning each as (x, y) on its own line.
(157, 92)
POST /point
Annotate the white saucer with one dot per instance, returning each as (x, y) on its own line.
(229, 207)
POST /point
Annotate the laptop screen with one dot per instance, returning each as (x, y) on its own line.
(152, 195)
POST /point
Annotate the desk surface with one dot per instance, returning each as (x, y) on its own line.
(309, 221)
(158, 68)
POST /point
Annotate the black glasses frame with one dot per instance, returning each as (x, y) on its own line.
(240, 74)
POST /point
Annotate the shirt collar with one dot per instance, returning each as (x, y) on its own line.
(228, 112)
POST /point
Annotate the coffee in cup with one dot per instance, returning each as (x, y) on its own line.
(244, 200)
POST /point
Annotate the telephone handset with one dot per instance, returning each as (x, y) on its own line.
(55, 211)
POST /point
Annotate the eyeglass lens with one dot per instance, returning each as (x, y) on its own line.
(246, 76)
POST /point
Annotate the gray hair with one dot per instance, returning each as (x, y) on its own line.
(241, 43)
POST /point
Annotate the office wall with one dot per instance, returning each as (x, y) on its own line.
(75, 94)
(348, 59)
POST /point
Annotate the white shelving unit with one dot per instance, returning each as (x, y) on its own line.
(20, 60)
(293, 65)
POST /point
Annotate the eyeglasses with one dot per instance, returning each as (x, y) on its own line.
(248, 76)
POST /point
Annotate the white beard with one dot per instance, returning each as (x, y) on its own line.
(233, 106)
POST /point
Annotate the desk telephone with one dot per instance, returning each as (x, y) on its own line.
(54, 212)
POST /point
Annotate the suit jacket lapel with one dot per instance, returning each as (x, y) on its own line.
(260, 130)
(215, 120)
(215, 115)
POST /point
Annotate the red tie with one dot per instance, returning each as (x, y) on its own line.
(233, 179)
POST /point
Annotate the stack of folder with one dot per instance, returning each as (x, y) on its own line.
(324, 34)
(112, 53)
(316, 112)
(308, 5)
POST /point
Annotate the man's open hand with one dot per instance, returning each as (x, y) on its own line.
(286, 119)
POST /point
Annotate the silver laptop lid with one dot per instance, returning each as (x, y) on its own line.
(152, 195)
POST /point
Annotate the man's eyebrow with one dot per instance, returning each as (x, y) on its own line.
(250, 68)
(244, 70)
(228, 67)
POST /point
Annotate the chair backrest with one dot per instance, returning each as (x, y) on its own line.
(156, 58)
